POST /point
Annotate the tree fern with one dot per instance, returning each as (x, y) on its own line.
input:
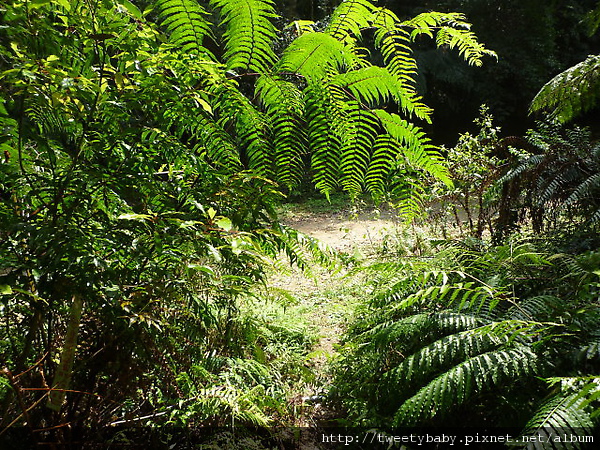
(465, 42)
(385, 149)
(416, 147)
(394, 43)
(252, 128)
(460, 383)
(453, 32)
(349, 19)
(357, 142)
(185, 22)
(284, 105)
(314, 55)
(326, 120)
(566, 413)
(442, 333)
(443, 353)
(249, 33)
(572, 92)
(372, 86)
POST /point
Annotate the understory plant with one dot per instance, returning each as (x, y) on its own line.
(492, 336)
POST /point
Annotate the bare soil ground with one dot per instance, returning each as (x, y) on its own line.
(343, 230)
(330, 297)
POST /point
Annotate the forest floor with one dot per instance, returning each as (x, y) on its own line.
(328, 297)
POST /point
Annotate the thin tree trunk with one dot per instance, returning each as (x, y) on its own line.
(62, 378)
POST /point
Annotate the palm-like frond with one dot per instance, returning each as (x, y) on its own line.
(185, 22)
(314, 55)
(572, 92)
(452, 31)
(372, 85)
(357, 142)
(249, 33)
(349, 19)
(566, 413)
(284, 104)
(465, 42)
(438, 356)
(460, 383)
(417, 150)
(325, 119)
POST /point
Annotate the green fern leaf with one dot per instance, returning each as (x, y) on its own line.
(393, 42)
(326, 121)
(429, 360)
(417, 150)
(249, 33)
(370, 85)
(571, 92)
(349, 18)
(465, 42)
(385, 149)
(452, 31)
(284, 104)
(357, 142)
(185, 23)
(314, 55)
(463, 381)
(564, 413)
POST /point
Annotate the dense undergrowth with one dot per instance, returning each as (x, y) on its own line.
(145, 149)
(497, 322)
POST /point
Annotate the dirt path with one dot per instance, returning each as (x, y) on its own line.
(343, 232)
(330, 299)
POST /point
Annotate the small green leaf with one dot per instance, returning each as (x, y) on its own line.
(5, 289)
(64, 3)
(201, 268)
(211, 213)
(224, 223)
(131, 8)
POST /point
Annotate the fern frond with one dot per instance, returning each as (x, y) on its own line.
(408, 194)
(538, 308)
(313, 55)
(284, 104)
(465, 42)
(325, 119)
(465, 380)
(393, 42)
(564, 413)
(185, 23)
(445, 352)
(426, 23)
(417, 150)
(462, 296)
(572, 92)
(249, 33)
(357, 142)
(252, 128)
(349, 18)
(452, 31)
(218, 146)
(385, 149)
(370, 85)
(586, 191)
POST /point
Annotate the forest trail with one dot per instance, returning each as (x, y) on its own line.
(329, 298)
(343, 232)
